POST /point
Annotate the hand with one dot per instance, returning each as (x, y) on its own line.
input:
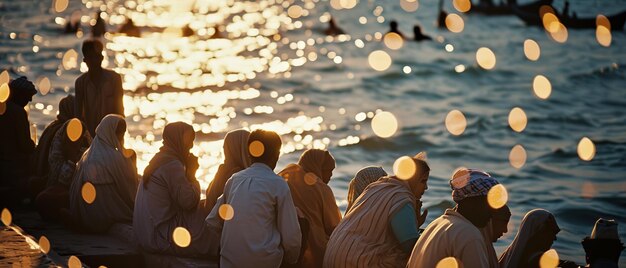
(192, 166)
(421, 217)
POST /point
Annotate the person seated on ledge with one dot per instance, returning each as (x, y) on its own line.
(16, 145)
(382, 226)
(536, 234)
(456, 233)
(105, 183)
(603, 247)
(418, 35)
(333, 29)
(308, 184)
(169, 197)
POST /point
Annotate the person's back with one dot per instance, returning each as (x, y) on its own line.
(264, 226)
(99, 91)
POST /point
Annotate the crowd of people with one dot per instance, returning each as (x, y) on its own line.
(253, 216)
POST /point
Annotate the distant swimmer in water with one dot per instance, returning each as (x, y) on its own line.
(98, 29)
(73, 23)
(333, 29)
(393, 28)
(441, 18)
(130, 29)
(418, 35)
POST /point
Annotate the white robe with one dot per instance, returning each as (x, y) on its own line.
(264, 226)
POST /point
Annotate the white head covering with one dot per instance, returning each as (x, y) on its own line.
(532, 223)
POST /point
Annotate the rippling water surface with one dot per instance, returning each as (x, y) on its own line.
(281, 73)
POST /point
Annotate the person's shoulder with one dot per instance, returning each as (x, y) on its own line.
(81, 78)
(112, 74)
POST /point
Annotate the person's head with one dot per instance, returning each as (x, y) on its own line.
(394, 25)
(179, 136)
(264, 147)
(21, 91)
(331, 22)
(540, 225)
(120, 130)
(235, 149)
(66, 108)
(417, 30)
(500, 221)
(111, 130)
(603, 243)
(469, 190)
(92, 54)
(319, 162)
(419, 182)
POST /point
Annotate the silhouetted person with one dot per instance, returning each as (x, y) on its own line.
(73, 23)
(187, 31)
(333, 29)
(393, 28)
(497, 226)
(441, 18)
(603, 247)
(98, 91)
(565, 12)
(16, 145)
(130, 29)
(418, 35)
(98, 29)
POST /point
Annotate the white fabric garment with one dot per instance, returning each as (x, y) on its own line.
(533, 221)
(450, 235)
(264, 226)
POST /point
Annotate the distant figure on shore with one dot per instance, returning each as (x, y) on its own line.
(393, 28)
(382, 226)
(418, 35)
(103, 190)
(168, 197)
(256, 216)
(99, 91)
(16, 145)
(457, 232)
(308, 183)
(536, 234)
(98, 29)
(41, 166)
(496, 227)
(362, 179)
(441, 18)
(63, 156)
(333, 29)
(129, 29)
(236, 158)
(603, 247)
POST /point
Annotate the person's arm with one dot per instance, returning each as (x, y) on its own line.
(332, 215)
(119, 95)
(404, 226)
(185, 192)
(287, 222)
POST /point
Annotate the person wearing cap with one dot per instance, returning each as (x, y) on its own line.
(99, 91)
(603, 247)
(457, 232)
(382, 226)
(536, 234)
(256, 216)
(16, 145)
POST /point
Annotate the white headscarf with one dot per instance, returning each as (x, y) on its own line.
(532, 223)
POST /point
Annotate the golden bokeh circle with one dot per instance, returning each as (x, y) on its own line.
(256, 149)
(44, 85)
(454, 23)
(74, 129)
(586, 149)
(310, 178)
(70, 59)
(448, 262)
(88, 192)
(409, 5)
(384, 124)
(462, 5)
(60, 5)
(532, 51)
(404, 168)
(44, 244)
(497, 196)
(549, 259)
(294, 11)
(560, 35)
(74, 262)
(603, 36)
(517, 119)
(4, 77)
(517, 156)
(5, 92)
(181, 237)
(456, 122)
(485, 58)
(379, 60)
(460, 177)
(393, 40)
(226, 211)
(542, 87)
(6, 217)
